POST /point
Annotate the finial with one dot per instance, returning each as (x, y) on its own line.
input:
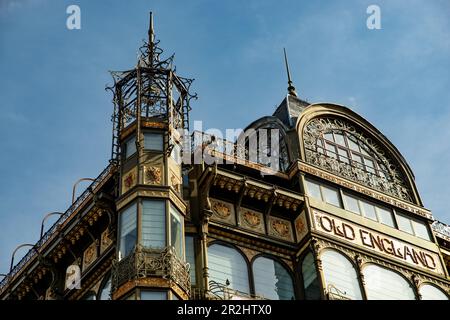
(151, 34)
(291, 88)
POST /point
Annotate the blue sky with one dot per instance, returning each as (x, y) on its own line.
(55, 114)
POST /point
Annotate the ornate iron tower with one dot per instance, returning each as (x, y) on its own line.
(151, 110)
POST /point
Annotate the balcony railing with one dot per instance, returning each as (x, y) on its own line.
(441, 229)
(51, 233)
(148, 263)
(219, 291)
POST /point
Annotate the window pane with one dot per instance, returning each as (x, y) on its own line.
(153, 295)
(351, 204)
(226, 263)
(331, 196)
(369, 210)
(357, 158)
(176, 232)
(190, 257)
(313, 189)
(340, 275)
(352, 145)
(310, 280)
(328, 136)
(105, 293)
(130, 147)
(153, 224)
(339, 138)
(383, 284)
(369, 165)
(404, 223)
(385, 216)
(343, 155)
(128, 232)
(331, 150)
(272, 280)
(153, 141)
(430, 292)
(420, 229)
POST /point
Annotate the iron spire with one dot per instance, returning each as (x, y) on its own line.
(291, 88)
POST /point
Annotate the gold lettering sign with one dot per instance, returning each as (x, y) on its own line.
(377, 242)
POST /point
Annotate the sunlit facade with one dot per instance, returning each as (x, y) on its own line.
(337, 216)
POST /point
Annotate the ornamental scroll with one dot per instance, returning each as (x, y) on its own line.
(393, 183)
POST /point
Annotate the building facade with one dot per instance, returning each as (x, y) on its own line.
(335, 213)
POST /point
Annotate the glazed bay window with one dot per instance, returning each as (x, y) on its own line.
(128, 231)
(153, 224)
(130, 147)
(153, 141)
(190, 257)
(325, 193)
(176, 232)
(413, 226)
(368, 210)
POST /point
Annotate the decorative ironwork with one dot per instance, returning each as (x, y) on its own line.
(32, 253)
(441, 229)
(152, 91)
(334, 293)
(219, 291)
(388, 179)
(147, 263)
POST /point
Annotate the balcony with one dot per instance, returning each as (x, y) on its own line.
(151, 263)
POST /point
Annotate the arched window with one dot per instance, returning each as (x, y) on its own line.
(105, 291)
(225, 263)
(272, 280)
(338, 146)
(341, 279)
(384, 284)
(430, 292)
(310, 281)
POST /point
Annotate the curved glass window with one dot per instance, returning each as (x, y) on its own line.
(430, 292)
(384, 284)
(272, 280)
(105, 292)
(128, 231)
(226, 263)
(341, 279)
(310, 281)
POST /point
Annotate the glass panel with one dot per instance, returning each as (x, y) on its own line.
(320, 142)
(385, 216)
(105, 293)
(383, 284)
(369, 165)
(351, 204)
(357, 158)
(320, 150)
(310, 280)
(331, 196)
(153, 141)
(340, 276)
(328, 136)
(430, 292)
(364, 152)
(404, 223)
(128, 232)
(153, 295)
(190, 257)
(226, 263)
(176, 232)
(153, 224)
(130, 147)
(420, 229)
(352, 145)
(343, 155)
(369, 210)
(339, 138)
(313, 189)
(331, 150)
(272, 281)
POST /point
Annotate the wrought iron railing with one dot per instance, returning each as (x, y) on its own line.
(219, 291)
(146, 262)
(441, 229)
(56, 226)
